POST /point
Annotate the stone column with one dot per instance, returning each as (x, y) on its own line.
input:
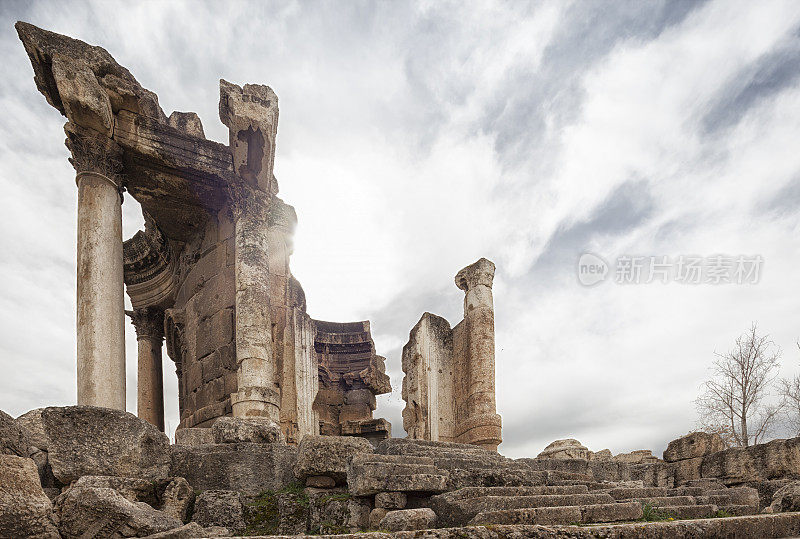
(482, 425)
(149, 325)
(100, 316)
(258, 393)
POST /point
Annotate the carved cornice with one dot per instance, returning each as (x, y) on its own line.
(148, 322)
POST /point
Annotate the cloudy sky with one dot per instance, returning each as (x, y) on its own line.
(417, 137)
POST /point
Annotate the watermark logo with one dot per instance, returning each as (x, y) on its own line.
(592, 269)
(682, 269)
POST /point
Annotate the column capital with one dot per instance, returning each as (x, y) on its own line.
(476, 274)
(148, 322)
(94, 154)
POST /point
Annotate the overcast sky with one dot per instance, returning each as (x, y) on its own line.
(415, 138)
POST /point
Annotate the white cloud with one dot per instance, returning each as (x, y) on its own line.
(417, 138)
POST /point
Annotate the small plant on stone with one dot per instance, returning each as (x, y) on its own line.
(722, 513)
(653, 513)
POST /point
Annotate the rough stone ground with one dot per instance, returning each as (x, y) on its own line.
(760, 526)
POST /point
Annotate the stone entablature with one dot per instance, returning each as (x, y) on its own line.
(449, 378)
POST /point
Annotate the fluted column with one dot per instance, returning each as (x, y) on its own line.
(149, 325)
(100, 301)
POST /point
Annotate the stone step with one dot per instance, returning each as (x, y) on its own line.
(583, 514)
(502, 477)
(740, 510)
(496, 503)
(666, 500)
(689, 511)
(554, 475)
(477, 492)
(458, 507)
(369, 473)
(632, 493)
(737, 495)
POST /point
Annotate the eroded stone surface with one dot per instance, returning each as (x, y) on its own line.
(565, 449)
(219, 508)
(90, 512)
(86, 440)
(25, 510)
(328, 456)
(231, 430)
(408, 519)
(693, 445)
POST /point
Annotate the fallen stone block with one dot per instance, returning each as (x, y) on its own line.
(337, 512)
(408, 519)
(565, 449)
(25, 510)
(87, 440)
(261, 430)
(786, 499)
(328, 456)
(88, 513)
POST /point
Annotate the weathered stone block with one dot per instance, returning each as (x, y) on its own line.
(194, 375)
(408, 519)
(194, 436)
(565, 449)
(376, 516)
(261, 430)
(88, 512)
(370, 474)
(360, 396)
(685, 470)
(354, 412)
(25, 510)
(328, 455)
(320, 481)
(693, 445)
(12, 437)
(244, 467)
(86, 440)
(219, 508)
(390, 500)
(215, 332)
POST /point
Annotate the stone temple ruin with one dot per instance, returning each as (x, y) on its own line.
(277, 434)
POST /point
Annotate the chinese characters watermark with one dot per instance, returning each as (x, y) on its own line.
(683, 269)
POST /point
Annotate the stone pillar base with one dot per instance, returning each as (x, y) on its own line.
(483, 430)
(256, 401)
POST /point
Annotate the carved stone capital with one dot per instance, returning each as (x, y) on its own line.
(476, 274)
(94, 153)
(148, 322)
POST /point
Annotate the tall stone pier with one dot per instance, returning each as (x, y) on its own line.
(449, 385)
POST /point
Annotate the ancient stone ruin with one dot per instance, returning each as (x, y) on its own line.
(277, 434)
(449, 373)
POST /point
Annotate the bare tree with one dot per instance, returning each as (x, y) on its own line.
(790, 391)
(735, 397)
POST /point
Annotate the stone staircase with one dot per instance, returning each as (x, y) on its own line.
(470, 466)
(578, 504)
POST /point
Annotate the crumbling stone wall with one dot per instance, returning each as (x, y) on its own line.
(449, 373)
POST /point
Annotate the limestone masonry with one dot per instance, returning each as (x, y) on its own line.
(277, 434)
